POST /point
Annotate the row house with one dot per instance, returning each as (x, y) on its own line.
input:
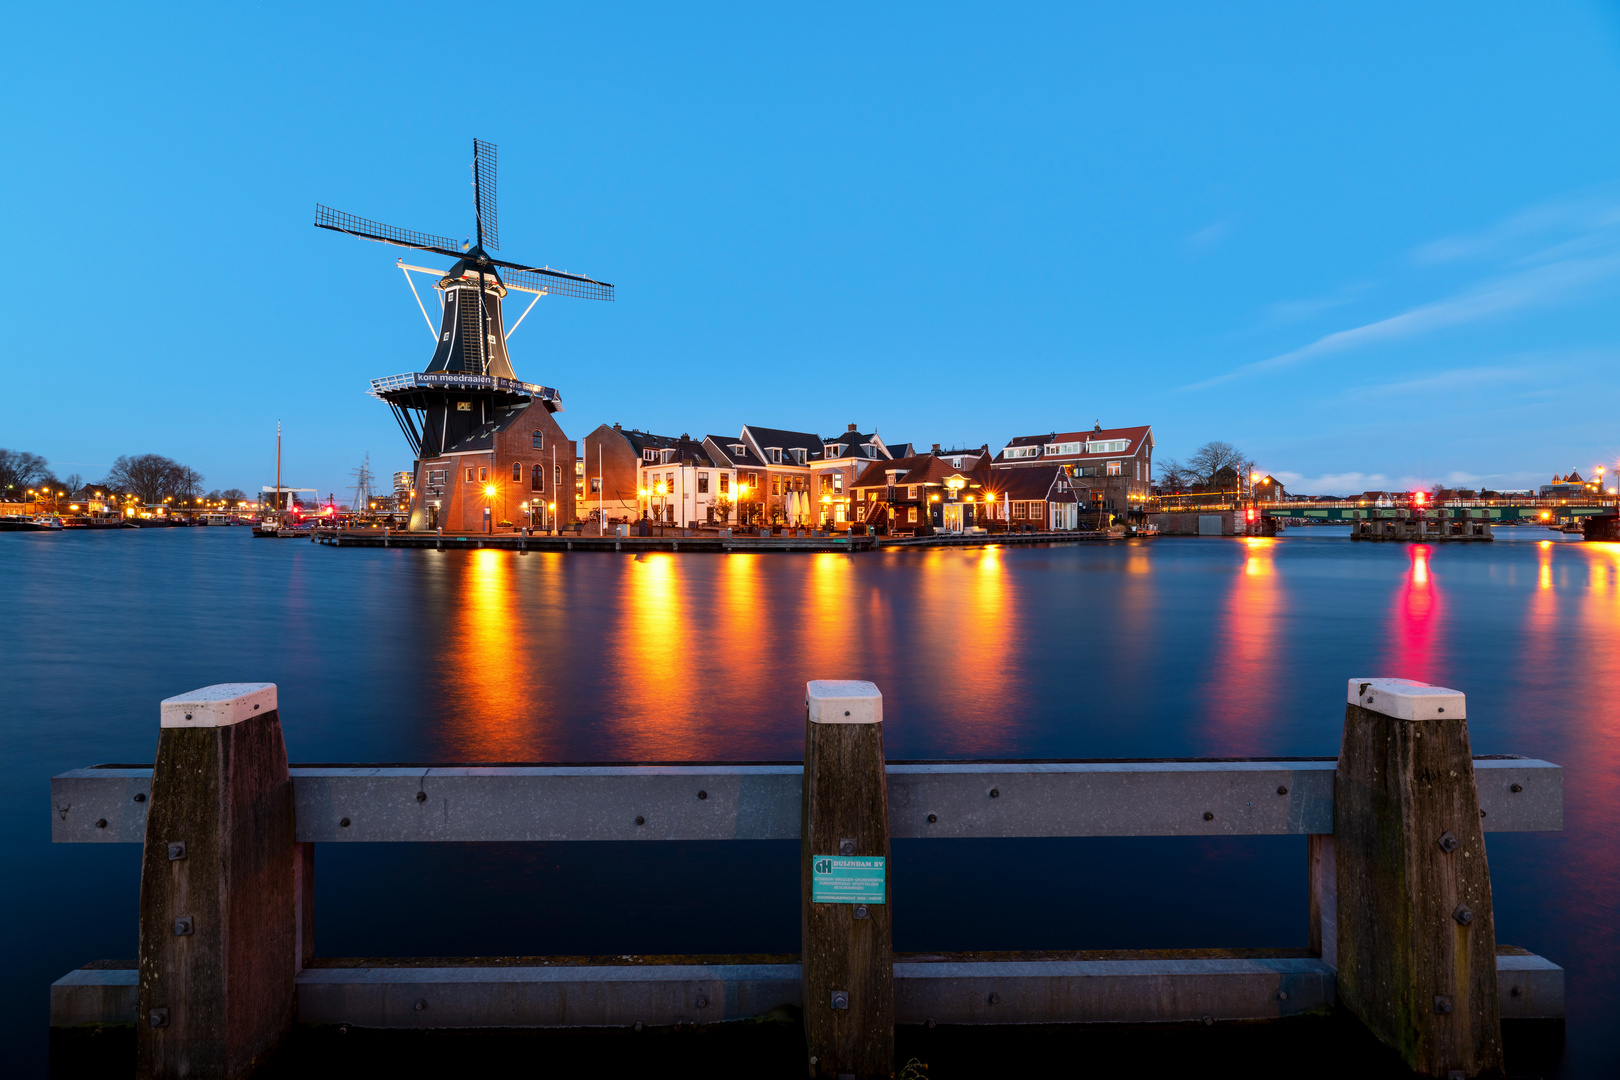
(1112, 468)
(798, 477)
(956, 490)
(611, 471)
(687, 483)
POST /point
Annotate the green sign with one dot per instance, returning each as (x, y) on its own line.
(846, 879)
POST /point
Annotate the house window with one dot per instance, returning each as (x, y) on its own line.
(469, 474)
(911, 493)
(725, 482)
(776, 455)
(703, 483)
(436, 477)
(537, 478)
(753, 480)
(911, 514)
(1113, 468)
(838, 481)
(517, 471)
(956, 463)
(826, 483)
(539, 441)
(596, 485)
(1107, 446)
(776, 485)
(483, 472)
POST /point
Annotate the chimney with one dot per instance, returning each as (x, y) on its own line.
(852, 427)
(936, 448)
(616, 426)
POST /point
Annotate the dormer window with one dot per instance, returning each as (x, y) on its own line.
(798, 454)
(870, 450)
(956, 463)
(739, 449)
(776, 454)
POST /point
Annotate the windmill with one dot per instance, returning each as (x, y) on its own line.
(469, 389)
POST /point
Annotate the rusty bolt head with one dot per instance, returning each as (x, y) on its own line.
(1464, 914)
(846, 846)
(640, 820)
(1449, 843)
(158, 1018)
(140, 796)
(1208, 816)
(177, 850)
(344, 822)
(840, 999)
(1442, 1005)
(1282, 789)
(421, 1003)
(995, 793)
(932, 818)
(995, 998)
(1516, 788)
(703, 795)
(421, 796)
(101, 823)
(343, 1029)
(1516, 991)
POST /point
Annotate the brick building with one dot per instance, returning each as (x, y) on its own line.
(517, 468)
(1110, 468)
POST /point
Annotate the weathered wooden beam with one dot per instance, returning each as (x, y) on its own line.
(1416, 933)
(848, 972)
(472, 803)
(218, 933)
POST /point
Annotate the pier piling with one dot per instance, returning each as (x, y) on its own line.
(223, 885)
(1416, 934)
(848, 966)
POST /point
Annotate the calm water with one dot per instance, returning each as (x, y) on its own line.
(1174, 647)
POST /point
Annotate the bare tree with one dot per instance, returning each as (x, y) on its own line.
(1174, 477)
(21, 470)
(1214, 457)
(152, 478)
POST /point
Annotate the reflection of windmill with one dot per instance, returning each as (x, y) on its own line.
(469, 387)
(362, 486)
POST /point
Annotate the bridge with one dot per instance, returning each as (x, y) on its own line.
(1492, 510)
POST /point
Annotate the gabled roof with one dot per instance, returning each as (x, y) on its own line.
(1135, 437)
(852, 441)
(721, 452)
(641, 440)
(687, 449)
(482, 437)
(919, 469)
(1039, 482)
(764, 438)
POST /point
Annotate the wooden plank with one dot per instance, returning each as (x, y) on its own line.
(1416, 934)
(847, 947)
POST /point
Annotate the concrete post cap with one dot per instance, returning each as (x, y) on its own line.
(1405, 699)
(220, 705)
(843, 701)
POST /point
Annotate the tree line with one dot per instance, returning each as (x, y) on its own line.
(1215, 466)
(149, 478)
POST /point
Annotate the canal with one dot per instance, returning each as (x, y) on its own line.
(1171, 647)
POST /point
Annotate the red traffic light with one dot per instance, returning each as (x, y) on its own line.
(1249, 513)
(1418, 498)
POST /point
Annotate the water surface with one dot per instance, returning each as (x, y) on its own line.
(1171, 647)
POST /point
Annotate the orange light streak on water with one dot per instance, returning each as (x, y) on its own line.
(1242, 693)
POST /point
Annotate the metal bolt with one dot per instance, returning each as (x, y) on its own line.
(1516, 991)
(702, 1002)
(840, 999)
(930, 1023)
(183, 926)
(421, 796)
(1516, 788)
(140, 796)
(846, 712)
(158, 1018)
(640, 820)
(1282, 995)
(995, 998)
(1442, 1005)
(1482, 813)
(344, 822)
(638, 1025)
(101, 823)
(1449, 843)
(846, 846)
(343, 1029)
(1282, 789)
(1464, 914)
(932, 818)
(177, 850)
(1208, 1020)
(421, 1003)
(188, 716)
(860, 911)
(703, 795)
(995, 793)
(1208, 816)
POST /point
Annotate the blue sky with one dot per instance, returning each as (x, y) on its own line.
(1372, 246)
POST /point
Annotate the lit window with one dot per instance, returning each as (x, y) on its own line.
(1114, 468)
(725, 483)
(596, 485)
(517, 471)
(776, 485)
(469, 474)
(703, 483)
(537, 478)
(911, 514)
(483, 472)
(838, 481)
(911, 493)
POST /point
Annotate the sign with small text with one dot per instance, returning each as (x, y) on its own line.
(847, 879)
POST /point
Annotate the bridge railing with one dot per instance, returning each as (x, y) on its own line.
(228, 869)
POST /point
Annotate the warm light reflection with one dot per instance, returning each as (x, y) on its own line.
(1242, 691)
(491, 714)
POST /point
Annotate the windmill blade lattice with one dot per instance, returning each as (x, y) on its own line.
(554, 282)
(489, 229)
(366, 229)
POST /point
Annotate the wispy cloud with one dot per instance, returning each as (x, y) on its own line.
(1287, 311)
(1536, 287)
(1582, 217)
(1210, 235)
(1452, 382)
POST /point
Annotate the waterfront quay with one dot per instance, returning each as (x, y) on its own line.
(800, 540)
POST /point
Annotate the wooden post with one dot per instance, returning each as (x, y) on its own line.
(1416, 936)
(220, 939)
(848, 960)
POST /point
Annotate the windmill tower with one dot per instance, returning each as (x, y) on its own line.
(486, 445)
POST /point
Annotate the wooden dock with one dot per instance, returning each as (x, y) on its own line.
(802, 540)
(1394, 827)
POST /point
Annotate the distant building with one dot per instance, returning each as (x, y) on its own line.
(1111, 468)
(1569, 487)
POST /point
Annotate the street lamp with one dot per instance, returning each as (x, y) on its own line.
(489, 509)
